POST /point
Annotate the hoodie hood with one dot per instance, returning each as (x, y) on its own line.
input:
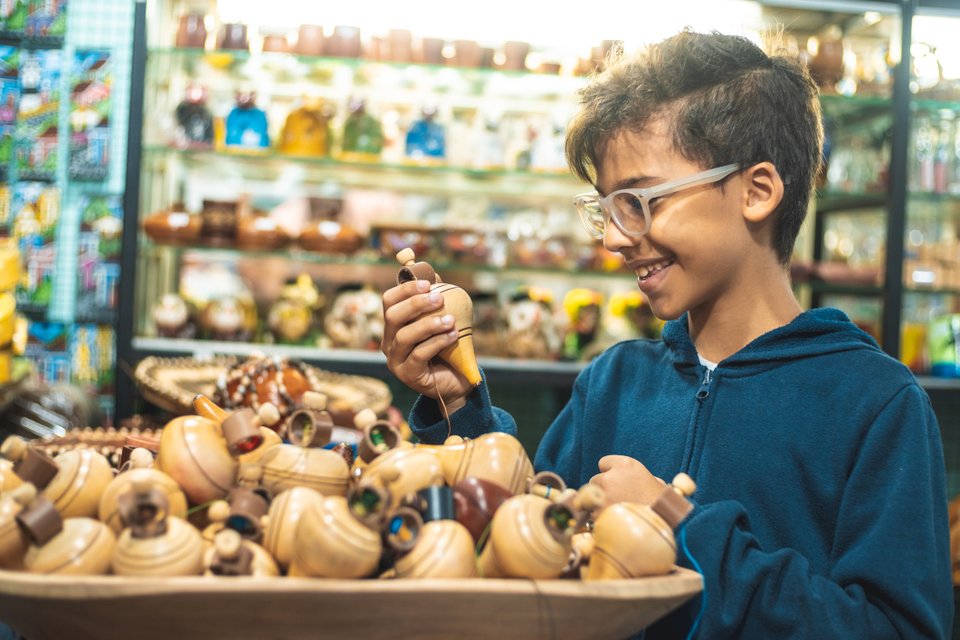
(812, 333)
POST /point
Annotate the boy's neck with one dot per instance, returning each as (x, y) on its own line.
(743, 314)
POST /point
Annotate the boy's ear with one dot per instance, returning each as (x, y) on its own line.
(762, 191)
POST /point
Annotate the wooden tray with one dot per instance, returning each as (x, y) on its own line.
(107, 607)
(172, 383)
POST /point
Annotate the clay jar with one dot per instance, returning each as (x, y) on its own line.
(233, 35)
(529, 538)
(310, 40)
(284, 515)
(497, 457)
(630, 541)
(194, 453)
(191, 31)
(76, 489)
(515, 53)
(443, 549)
(456, 301)
(155, 543)
(332, 541)
(141, 472)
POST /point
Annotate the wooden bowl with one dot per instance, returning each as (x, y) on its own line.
(120, 608)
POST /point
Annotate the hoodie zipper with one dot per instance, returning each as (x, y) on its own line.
(703, 392)
(704, 389)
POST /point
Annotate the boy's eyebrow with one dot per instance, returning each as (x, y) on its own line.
(636, 182)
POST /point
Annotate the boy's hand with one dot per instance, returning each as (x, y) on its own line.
(624, 479)
(412, 339)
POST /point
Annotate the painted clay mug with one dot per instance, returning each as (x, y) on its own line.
(456, 301)
(154, 543)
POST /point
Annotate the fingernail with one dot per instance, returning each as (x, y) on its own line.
(435, 298)
(447, 319)
(423, 285)
(453, 333)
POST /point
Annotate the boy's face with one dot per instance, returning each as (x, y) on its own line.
(695, 247)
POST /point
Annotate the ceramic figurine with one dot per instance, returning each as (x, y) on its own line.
(76, 489)
(75, 546)
(426, 139)
(172, 318)
(355, 319)
(633, 540)
(341, 537)
(531, 330)
(226, 319)
(194, 453)
(441, 549)
(582, 307)
(247, 124)
(456, 302)
(475, 501)
(154, 543)
(362, 133)
(233, 555)
(194, 120)
(13, 541)
(286, 510)
(307, 130)
(141, 471)
(290, 321)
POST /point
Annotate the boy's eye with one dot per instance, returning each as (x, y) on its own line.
(628, 204)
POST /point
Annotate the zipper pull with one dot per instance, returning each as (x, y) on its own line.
(704, 389)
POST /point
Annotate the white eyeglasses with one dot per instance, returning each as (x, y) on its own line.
(630, 208)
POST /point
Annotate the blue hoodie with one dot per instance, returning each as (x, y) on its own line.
(821, 508)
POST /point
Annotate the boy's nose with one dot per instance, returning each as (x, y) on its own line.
(614, 240)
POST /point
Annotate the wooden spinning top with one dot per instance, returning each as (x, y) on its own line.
(29, 463)
(456, 301)
(13, 541)
(283, 516)
(379, 436)
(141, 471)
(154, 542)
(633, 540)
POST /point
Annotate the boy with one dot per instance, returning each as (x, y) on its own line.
(820, 510)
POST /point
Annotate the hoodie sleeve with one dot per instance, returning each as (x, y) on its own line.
(890, 575)
(475, 418)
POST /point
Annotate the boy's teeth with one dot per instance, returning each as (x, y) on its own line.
(643, 272)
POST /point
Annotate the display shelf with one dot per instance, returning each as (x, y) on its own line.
(367, 259)
(932, 383)
(828, 201)
(373, 363)
(270, 165)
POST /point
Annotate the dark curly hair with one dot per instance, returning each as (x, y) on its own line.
(725, 100)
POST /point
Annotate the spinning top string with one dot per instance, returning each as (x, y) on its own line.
(443, 405)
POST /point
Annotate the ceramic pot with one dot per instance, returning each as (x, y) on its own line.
(192, 31)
